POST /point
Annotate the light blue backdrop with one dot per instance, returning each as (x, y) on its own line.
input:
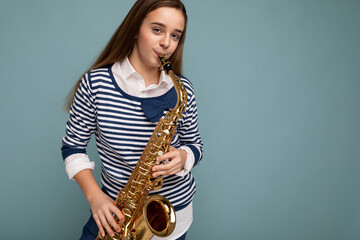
(278, 91)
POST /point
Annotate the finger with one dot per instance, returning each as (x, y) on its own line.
(106, 225)
(167, 171)
(164, 167)
(118, 213)
(174, 172)
(162, 157)
(98, 223)
(168, 155)
(112, 222)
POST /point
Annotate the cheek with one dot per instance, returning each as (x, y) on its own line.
(173, 47)
(145, 40)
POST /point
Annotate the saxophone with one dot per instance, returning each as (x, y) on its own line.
(154, 215)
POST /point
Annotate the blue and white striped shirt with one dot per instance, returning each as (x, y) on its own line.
(122, 131)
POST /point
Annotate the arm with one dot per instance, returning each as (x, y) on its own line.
(79, 128)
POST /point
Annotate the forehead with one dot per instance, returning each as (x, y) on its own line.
(170, 17)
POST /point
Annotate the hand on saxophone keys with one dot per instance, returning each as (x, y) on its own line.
(104, 213)
(176, 161)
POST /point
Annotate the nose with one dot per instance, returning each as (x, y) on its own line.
(165, 41)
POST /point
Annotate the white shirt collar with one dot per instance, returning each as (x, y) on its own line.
(133, 83)
(127, 68)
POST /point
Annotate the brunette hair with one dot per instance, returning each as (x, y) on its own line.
(122, 41)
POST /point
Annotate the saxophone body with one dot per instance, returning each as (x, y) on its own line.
(154, 215)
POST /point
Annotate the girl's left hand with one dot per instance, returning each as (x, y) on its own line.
(177, 160)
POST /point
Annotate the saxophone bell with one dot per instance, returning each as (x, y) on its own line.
(158, 218)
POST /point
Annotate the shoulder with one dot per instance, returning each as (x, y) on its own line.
(100, 73)
(99, 76)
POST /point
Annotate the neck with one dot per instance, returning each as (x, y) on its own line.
(151, 75)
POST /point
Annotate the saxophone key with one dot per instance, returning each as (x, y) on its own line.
(157, 183)
(126, 212)
(166, 132)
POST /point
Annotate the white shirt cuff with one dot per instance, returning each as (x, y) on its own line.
(76, 163)
(190, 160)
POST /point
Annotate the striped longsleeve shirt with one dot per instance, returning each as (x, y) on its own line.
(121, 129)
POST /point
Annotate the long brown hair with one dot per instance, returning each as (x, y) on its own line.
(122, 41)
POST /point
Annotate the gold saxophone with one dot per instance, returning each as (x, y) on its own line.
(148, 216)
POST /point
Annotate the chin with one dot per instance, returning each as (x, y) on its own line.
(155, 63)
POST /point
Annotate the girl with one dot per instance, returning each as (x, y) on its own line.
(120, 99)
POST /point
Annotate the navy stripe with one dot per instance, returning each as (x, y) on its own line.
(196, 153)
(67, 151)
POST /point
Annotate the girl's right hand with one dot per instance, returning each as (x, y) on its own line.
(103, 211)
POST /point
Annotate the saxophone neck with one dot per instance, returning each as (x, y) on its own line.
(181, 92)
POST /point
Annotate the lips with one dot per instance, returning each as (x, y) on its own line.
(160, 53)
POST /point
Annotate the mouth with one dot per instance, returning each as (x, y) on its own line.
(160, 53)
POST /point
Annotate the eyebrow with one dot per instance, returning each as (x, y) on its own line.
(164, 26)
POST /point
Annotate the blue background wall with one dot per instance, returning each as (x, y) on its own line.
(278, 91)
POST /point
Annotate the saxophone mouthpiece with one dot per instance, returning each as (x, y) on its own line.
(165, 63)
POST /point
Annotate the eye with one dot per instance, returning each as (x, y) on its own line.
(157, 30)
(176, 37)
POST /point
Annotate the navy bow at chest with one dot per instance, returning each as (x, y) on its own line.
(154, 108)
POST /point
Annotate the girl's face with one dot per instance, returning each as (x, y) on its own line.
(159, 33)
